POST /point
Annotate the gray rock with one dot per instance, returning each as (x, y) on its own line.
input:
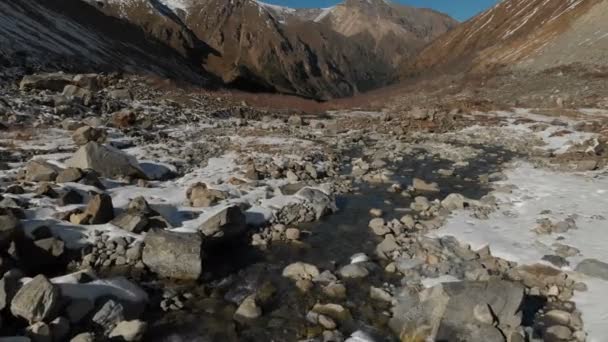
(387, 246)
(201, 196)
(49, 81)
(354, 271)
(248, 309)
(559, 333)
(226, 223)
(86, 134)
(131, 222)
(593, 268)
(129, 331)
(40, 171)
(83, 337)
(300, 270)
(39, 332)
(100, 209)
(121, 94)
(9, 226)
(70, 174)
(378, 226)
(108, 316)
(72, 92)
(90, 82)
(453, 202)
(106, 160)
(422, 186)
(320, 202)
(36, 300)
(173, 255)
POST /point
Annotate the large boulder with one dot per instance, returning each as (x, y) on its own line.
(453, 311)
(37, 300)
(40, 171)
(107, 161)
(173, 255)
(226, 223)
(52, 81)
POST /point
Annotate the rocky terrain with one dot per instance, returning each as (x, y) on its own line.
(129, 212)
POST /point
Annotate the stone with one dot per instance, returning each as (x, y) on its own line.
(46, 190)
(559, 332)
(380, 294)
(173, 255)
(74, 92)
(100, 209)
(292, 234)
(36, 301)
(86, 134)
(70, 197)
(106, 161)
(300, 270)
(422, 186)
(40, 171)
(83, 337)
(226, 223)
(378, 226)
(39, 332)
(483, 314)
(48, 81)
(453, 202)
(295, 120)
(335, 311)
(201, 196)
(131, 222)
(335, 290)
(121, 94)
(90, 82)
(248, 309)
(354, 271)
(129, 331)
(385, 248)
(70, 174)
(9, 227)
(319, 201)
(593, 268)
(107, 317)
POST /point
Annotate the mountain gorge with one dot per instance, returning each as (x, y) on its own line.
(317, 53)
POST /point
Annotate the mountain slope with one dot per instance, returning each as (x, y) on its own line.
(257, 46)
(72, 35)
(534, 34)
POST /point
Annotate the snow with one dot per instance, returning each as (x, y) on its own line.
(118, 287)
(326, 11)
(509, 234)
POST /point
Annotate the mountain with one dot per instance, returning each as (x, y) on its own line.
(523, 35)
(74, 36)
(316, 53)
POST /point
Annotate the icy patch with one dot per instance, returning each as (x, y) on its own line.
(548, 194)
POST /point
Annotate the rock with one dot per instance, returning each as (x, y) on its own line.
(68, 175)
(108, 316)
(39, 332)
(131, 222)
(453, 202)
(248, 309)
(83, 337)
(107, 161)
(335, 311)
(300, 270)
(121, 94)
(295, 120)
(129, 331)
(483, 314)
(387, 246)
(90, 82)
(378, 226)
(380, 294)
(200, 196)
(9, 227)
(375, 212)
(456, 309)
(335, 290)
(226, 223)
(86, 134)
(73, 92)
(292, 234)
(36, 300)
(320, 202)
(40, 171)
(593, 268)
(46, 190)
(50, 81)
(70, 197)
(124, 119)
(100, 209)
(173, 255)
(559, 332)
(422, 186)
(354, 271)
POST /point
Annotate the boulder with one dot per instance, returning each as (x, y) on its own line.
(51, 81)
(39, 332)
(453, 202)
(70, 197)
(593, 268)
(448, 311)
(85, 134)
(73, 92)
(107, 317)
(40, 171)
(300, 270)
(100, 209)
(201, 196)
(70, 174)
(121, 94)
(107, 161)
(173, 255)
(37, 300)
(131, 222)
(9, 226)
(226, 223)
(140, 217)
(129, 331)
(422, 186)
(124, 119)
(83, 337)
(319, 201)
(90, 82)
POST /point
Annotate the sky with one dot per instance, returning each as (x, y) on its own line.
(461, 10)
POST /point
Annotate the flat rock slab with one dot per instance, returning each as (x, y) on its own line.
(174, 255)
